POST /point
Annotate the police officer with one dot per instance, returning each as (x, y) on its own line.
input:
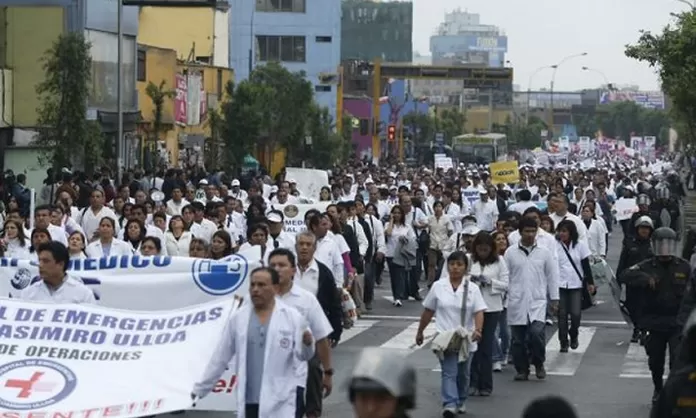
(644, 202)
(636, 248)
(660, 283)
(677, 399)
(382, 384)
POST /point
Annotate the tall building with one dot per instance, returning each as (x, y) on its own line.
(462, 39)
(303, 35)
(371, 29)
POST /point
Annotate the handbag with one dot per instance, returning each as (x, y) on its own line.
(587, 301)
(422, 237)
(458, 343)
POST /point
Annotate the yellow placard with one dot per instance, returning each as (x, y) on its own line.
(505, 172)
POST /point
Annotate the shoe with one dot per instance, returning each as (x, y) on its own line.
(485, 393)
(656, 396)
(449, 412)
(368, 306)
(635, 336)
(549, 322)
(497, 366)
(540, 372)
(564, 348)
(417, 298)
(397, 303)
(462, 410)
(574, 343)
(473, 392)
(521, 377)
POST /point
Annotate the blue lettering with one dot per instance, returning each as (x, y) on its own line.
(117, 262)
(214, 314)
(144, 340)
(9, 262)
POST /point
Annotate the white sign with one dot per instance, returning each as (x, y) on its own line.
(309, 181)
(625, 208)
(294, 215)
(80, 360)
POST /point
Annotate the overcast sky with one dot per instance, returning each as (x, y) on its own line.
(543, 32)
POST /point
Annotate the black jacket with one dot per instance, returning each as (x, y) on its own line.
(330, 301)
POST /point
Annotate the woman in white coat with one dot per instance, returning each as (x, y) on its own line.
(267, 338)
(107, 245)
(596, 231)
(177, 239)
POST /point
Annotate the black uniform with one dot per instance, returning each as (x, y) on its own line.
(676, 399)
(687, 307)
(660, 288)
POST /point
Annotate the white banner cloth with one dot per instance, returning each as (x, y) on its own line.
(66, 360)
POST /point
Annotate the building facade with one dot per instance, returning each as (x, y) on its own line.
(372, 29)
(24, 45)
(303, 35)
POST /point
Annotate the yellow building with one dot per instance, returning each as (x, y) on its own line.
(478, 118)
(187, 125)
(198, 34)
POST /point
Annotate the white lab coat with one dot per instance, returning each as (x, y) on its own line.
(532, 279)
(284, 348)
(118, 247)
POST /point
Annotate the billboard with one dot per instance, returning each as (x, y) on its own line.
(441, 45)
(646, 99)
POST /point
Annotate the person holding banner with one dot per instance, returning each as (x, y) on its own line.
(267, 338)
(56, 285)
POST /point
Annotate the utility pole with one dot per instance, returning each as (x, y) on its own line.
(119, 96)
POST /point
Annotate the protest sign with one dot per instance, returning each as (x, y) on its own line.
(625, 208)
(65, 360)
(294, 215)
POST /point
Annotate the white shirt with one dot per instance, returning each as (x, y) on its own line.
(582, 230)
(178, 247)
(174, 208)
(568, 277)
(89, 220)
(327, 253)
(118, 247)
(393, 239)
(309, 278)
(521, 206)
(486, 214)
(377, 230)
(205, 230)
(284, 239)
(543, 239)
(363, 243)
(308, 306)
(498, 274)
(533, 279)
(454, 212)
(440, 230)
(71, 291)
(597, 237)
(447, 305)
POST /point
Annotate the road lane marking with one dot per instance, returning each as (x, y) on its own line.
(358, 328)
(567, 364)
(406, 339)
(635, 364)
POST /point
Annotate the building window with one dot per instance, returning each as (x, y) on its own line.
(287, 6)
(322, 88)
(142, 70)
(323, 39)
(281, 48)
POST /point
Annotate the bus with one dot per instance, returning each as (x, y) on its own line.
(479, 148)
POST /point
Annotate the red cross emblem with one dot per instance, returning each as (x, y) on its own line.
(28, 386)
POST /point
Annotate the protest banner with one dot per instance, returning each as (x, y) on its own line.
(67, 360)
(625, 208)
(141, 283)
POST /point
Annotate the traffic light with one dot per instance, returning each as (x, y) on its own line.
(391, 133)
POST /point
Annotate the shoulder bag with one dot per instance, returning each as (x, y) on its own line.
(587, 301)
(458, 343)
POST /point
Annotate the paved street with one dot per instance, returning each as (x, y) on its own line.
(606, 377)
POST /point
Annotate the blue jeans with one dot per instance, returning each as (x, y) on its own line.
(455, 380)
(501, 345)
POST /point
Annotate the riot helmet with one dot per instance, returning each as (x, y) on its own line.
(664, 242)
(663, 193)
(380, 371)
(643, 199)
(644, 221)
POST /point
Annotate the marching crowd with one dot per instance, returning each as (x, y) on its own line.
(497, 263)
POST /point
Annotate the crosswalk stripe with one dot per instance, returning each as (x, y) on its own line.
(406, 339)
(566, 364)
(358, 328)
(635, 364)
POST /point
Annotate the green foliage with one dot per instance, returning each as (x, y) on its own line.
(450, 122)
(158, 94)
(65, 136)
(241, 121)
(522, 133)
(626, 119)
(214, 143)
(327, 147)
(671, 54)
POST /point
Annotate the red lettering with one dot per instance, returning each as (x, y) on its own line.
(10, 415)
(131, 407)
(86, 413)
(63, 414)
(225, 386)
(36, 415)
(112, 411)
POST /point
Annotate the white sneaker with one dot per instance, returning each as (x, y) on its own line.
(462, 409)
(497, 366)
(397, 302)
(449, 412)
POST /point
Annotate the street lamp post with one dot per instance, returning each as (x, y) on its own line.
(553, 81)
(688, 3)
(529, 90)
(604, 76)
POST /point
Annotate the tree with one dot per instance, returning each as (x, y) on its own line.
(65, 136)
(420, 127)
(450, 122)
(158, 94)
(285, 99)
(214, 143)
(327, 147)
(671, 55)
(522, 134)
(242, 118)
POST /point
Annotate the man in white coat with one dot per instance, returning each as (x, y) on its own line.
(267, 337)
(533, 278)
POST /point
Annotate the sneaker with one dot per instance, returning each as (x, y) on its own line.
(449, 412)
(549, 322)
(397, 303)
(368, 306)
(462, 409)
(497, 366)
(540, 372)
(485, 393)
